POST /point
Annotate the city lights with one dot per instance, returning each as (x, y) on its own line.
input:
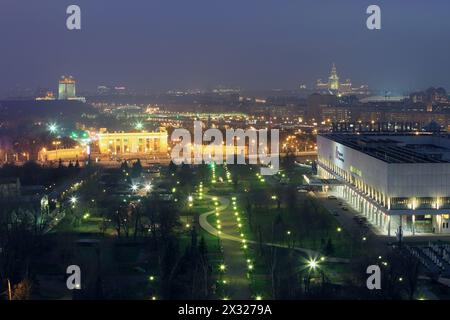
(171, 182)
(53, 128)
(73, 200)
(312, 264)
(139, 126)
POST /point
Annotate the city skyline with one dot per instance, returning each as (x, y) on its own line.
(150, 48)
(243, 150)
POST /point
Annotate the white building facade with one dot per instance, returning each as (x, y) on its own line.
(394, 180)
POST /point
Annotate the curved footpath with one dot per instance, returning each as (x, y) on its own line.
(224, 203)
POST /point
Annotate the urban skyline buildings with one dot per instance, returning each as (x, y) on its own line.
(67, 88)
(334, 86)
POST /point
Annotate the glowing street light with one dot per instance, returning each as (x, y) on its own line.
(313, 264)
(73, 200)
(134, 188)
(222, 267)
(139, 125)
(53, 127)
(148, 187)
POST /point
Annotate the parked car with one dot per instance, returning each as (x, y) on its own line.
(332, 198)
(345, 208)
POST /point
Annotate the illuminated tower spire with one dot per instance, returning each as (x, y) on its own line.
(333, 80)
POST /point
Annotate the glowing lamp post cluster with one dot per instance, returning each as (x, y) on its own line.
(217, 214)
(228, 174)
(152, 280)
(213, 168)
(244, 241)
(200, 191)
(261, 178)
(222, 267)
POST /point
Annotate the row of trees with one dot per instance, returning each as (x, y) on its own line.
(22, 226)
(32, 173)
(184, 272)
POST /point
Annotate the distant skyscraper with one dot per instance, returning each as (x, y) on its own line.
(333, 80)
(67, 88)
(333, 86)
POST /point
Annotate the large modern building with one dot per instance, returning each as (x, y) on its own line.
(393, 179)
(67, 89)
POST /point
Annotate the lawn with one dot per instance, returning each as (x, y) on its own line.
(287, 228)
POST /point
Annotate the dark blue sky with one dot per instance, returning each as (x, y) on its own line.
(256, 44)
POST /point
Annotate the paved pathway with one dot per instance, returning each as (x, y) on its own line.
(234, 237)
(235, 260)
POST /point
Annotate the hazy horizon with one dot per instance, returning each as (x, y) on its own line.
(154, 46)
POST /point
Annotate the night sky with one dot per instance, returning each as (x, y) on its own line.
(157, 45)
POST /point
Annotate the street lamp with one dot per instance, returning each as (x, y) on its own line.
(73, 200)
(53, 127)
(139, 125)
(313, 264)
